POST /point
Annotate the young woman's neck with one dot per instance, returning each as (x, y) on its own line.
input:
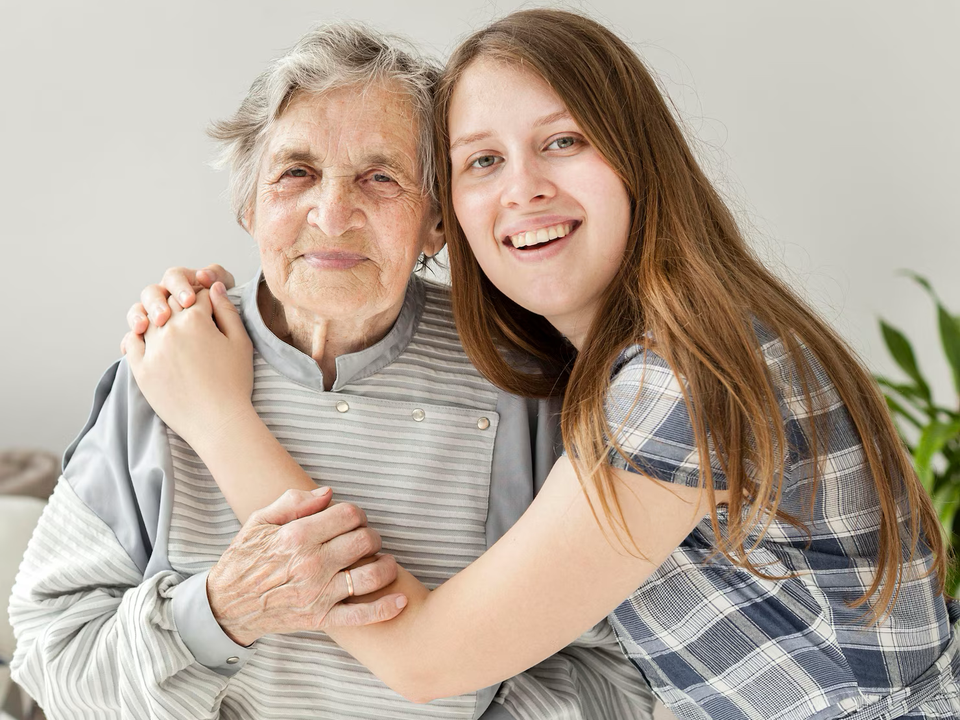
(574, 326)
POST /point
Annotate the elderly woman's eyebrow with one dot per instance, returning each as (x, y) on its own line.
(395, 164)
(286, 155)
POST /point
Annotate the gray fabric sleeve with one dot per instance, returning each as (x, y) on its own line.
(201, 632)
(120, 467)
(526, 447)
(93, 606)
(94, 638)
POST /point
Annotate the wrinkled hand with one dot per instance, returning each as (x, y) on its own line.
(197, 370)
(282, 573)
(178, 282)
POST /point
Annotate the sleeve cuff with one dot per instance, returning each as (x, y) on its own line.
(200, 631)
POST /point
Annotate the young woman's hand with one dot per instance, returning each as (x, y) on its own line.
(197, 370)
(177, 282)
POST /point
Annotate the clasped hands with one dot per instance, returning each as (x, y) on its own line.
(285, 571)
(282, 573)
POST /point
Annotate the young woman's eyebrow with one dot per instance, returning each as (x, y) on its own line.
(561, 114)
(472, 138)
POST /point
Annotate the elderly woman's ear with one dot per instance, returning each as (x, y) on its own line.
(434, 239)
(246, 218)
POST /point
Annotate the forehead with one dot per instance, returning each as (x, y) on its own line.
(346, 125)
(491, 93)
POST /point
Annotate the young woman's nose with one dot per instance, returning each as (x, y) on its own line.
(334, 208)
(525, 182)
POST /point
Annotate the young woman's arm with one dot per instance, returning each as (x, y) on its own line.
(551, 577)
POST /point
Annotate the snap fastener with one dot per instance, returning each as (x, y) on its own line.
(233, 660)
(342, 406)
(483, 423)
(418, 415)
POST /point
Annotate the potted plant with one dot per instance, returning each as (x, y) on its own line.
(930, 431)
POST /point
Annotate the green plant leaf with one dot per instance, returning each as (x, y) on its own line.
(946, 501)
(911, 393)
(899, 410)
(902, 353)
(953, 578)
(950, 337)
(952, 473)
(932, 440)
(949, 326)
(923, 282)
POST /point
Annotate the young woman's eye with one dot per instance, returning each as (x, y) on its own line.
(485, 161)
(563, 143)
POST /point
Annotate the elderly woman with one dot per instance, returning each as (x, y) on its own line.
(141, 595)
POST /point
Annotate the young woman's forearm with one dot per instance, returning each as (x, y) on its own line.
(550, 578)
(553, 576)
(250, 466)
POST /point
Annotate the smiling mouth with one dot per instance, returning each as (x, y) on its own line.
(541, 236)
(333, 260)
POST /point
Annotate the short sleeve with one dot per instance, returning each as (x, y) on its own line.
(648, 418)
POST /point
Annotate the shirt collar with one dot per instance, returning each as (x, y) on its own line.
(303, 369)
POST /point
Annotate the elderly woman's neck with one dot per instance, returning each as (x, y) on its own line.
(323, 339)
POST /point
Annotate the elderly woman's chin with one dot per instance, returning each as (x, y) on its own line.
(346, 293)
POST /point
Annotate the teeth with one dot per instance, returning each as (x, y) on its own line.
(542, 235)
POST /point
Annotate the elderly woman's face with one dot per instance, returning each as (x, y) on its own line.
(339, 214)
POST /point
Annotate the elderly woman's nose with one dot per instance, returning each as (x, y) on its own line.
(335, 210)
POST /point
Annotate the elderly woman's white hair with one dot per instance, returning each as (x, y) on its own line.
(327, 58)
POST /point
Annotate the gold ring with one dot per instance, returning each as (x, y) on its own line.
(346, 575)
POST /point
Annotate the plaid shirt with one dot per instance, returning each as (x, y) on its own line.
(716, 641)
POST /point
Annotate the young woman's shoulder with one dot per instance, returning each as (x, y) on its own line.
(649, 420)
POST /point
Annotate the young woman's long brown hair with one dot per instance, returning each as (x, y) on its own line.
(689, 282)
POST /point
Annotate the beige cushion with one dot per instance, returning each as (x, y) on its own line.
(18, 518)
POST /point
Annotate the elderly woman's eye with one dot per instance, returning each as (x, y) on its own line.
(381, 178)
(297, 172)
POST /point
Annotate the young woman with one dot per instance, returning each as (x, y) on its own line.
(733, 494)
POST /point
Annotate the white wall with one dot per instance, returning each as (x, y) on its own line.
(833, 124)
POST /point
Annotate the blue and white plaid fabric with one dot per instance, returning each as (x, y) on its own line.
(716, 641)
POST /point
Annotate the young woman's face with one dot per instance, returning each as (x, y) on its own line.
(545, 215)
